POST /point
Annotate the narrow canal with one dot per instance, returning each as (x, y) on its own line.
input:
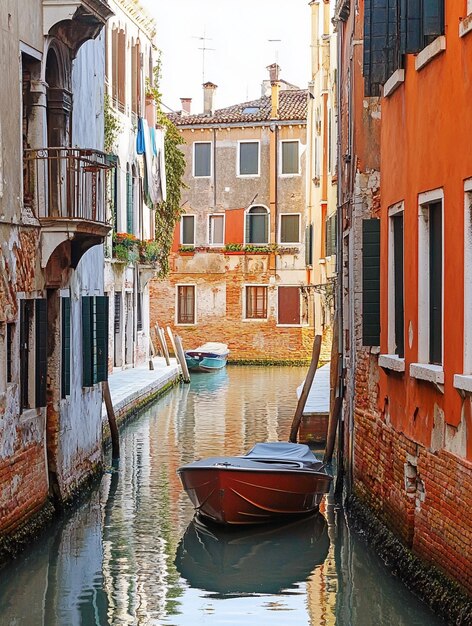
(131, 554)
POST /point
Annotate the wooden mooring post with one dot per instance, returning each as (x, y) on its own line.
(183, 362)
(297, 418)
(115, 437)
(163, 345)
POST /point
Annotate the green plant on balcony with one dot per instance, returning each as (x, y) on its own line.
(125, 247)
(233, 247)
(186, 249)
(149, 252)
(112, 126)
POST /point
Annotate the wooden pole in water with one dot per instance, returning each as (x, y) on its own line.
(183, 362)
(297, 418)
(115, 438)
(162, 344)
(172, 343)
(335, 400)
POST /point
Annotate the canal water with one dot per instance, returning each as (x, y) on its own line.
(132, 554)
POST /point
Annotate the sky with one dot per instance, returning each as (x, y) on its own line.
(239, 31)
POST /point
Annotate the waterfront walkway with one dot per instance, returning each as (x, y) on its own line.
(133, 387)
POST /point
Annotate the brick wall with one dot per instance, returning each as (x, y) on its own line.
(219, 318)
(425, 498)
(23, 486)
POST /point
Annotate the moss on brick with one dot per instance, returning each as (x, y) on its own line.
(446, 597)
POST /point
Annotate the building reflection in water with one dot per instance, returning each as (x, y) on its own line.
(131, 555)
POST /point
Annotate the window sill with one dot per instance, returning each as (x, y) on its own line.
(463, 382)
(392, 362)
(465, 25)
(392, 84)
(426, 55)
(428, 372)
(255, 319)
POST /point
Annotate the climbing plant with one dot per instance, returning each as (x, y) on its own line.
(112, 126)
(168, 213)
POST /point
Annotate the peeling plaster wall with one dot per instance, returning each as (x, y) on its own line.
(79, 449)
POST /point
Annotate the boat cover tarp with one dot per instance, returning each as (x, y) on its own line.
(211, 348)
(282, 450)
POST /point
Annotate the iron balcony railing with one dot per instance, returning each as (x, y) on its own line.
(66, 183)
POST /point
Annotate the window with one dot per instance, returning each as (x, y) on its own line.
(248, 158)
(9, 339)
(257, 225)
(289, 228)
(256, 302)
(139, 311)
(65, 347)
(468, 277)
(202, 159)
(186, 304)
(371, 282)
(187, 230)
(290, 161)
(430, 278)
(393, 28)
(129, 201)
(216, 236)
(331, 235)
(33, 353)
(94, 339)
(396, 324)
(288, 306)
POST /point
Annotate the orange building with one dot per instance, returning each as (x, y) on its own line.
(412, 368)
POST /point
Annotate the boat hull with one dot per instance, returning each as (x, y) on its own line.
(205, 363)
(243, 496)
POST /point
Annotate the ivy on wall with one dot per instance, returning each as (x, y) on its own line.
(168, 213)
(112, 127)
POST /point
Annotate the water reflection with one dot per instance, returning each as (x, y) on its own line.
(261, 559)
(128, 556)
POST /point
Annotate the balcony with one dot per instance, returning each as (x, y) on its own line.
(65, 189)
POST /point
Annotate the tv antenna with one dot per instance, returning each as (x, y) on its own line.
(276, 41)
(204, 49)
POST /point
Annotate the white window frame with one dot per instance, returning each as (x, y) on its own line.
(238, 159)
(211, 159)
(182, 229)
(195, 307)
(301, 324)
(464, 381)
(246, 213)
(279, 234)
(210, 243)
(281, 174)
(256, 320)
(391, 360)
(425, 370)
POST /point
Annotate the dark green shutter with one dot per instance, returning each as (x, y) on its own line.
(101, 331)
(129, 202)
(41, 316)
(371, 282)
(65, 348)
(87, 341)
(435, 283)
(308, 245)
(398, 285)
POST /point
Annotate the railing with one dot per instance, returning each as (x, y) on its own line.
(66, 183)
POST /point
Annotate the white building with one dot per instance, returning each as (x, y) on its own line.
(131, 57)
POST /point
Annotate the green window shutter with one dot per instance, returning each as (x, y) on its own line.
(87, 341)
(41, 351)
(101, 332)
(371, 282)
(308, 245)
(129, 203)
(65, 348)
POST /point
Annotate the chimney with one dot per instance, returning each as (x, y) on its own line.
(208, 95)
(274, 72)
(186, 105)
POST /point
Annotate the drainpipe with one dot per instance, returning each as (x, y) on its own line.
(274, 70)
(214, 169)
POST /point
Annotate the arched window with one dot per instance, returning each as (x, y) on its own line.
(257, 225)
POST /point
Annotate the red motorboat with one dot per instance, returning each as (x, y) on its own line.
(272, 482)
